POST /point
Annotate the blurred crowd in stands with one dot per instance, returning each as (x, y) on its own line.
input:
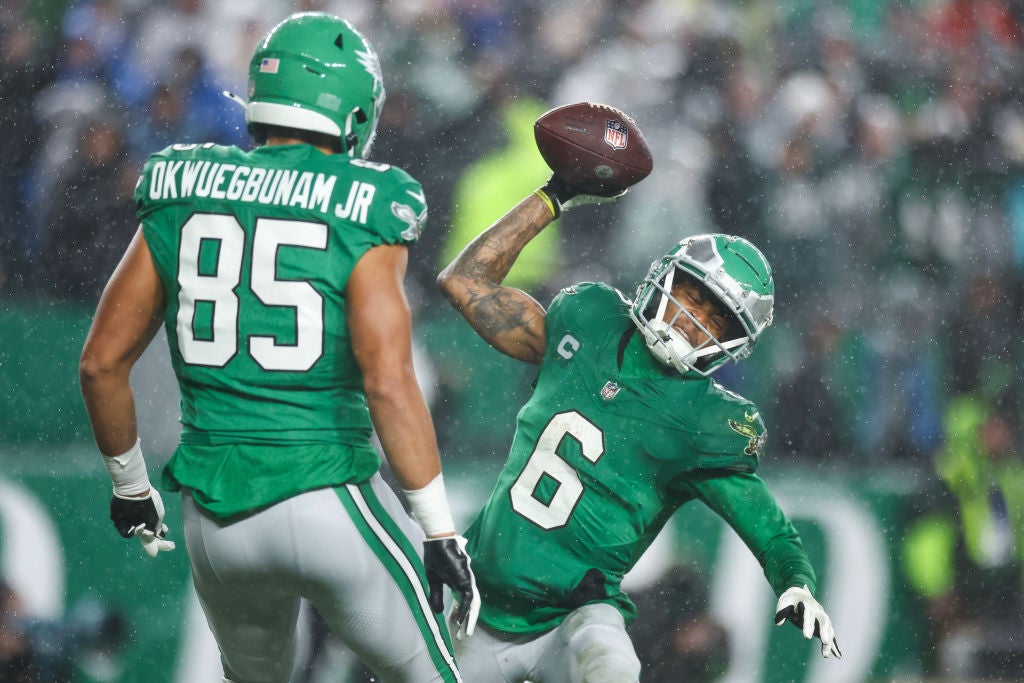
(874, 149)
(82, 647)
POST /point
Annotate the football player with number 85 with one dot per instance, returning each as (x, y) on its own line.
(624, 427)
(278, 275)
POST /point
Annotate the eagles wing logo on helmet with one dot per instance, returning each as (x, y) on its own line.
(369, 61)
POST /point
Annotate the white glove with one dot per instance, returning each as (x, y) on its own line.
(799, 606)
(141, 517)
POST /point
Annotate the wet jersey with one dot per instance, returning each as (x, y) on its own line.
(254, 250)
(608, 447)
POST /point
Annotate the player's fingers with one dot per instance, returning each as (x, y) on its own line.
(824, 630)
(461, 611)
(828, 638)
(809, 625)
(436, 597)
(154, 544)
(163, 545)
(783, 615)
(474, 612)
(148, 539)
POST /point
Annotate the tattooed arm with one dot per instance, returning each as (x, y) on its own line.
(508, 319)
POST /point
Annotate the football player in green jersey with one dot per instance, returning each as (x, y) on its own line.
(625, 426)
(278, 275)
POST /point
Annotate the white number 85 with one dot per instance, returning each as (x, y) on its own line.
(218, 288)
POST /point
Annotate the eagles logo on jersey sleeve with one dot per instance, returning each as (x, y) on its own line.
(751, 429)
(397, 206)
(411, 211)
(732, 436)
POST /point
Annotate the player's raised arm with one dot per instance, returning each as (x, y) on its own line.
(509, 319)
(595, 152)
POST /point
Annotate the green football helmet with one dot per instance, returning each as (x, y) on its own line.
(314, 71)
(735, 272)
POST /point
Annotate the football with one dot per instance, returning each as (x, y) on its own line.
(593, 147)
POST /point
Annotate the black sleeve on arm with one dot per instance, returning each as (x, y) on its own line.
(745, 503)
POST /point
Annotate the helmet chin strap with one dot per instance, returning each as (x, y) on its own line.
(234, 98)
(350, 138)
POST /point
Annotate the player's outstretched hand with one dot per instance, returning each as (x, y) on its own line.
(799, 606)
(564, 196)
(447, 563)
(142, 517)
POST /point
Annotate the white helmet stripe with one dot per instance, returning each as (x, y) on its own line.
(666, 292)
(290, 117)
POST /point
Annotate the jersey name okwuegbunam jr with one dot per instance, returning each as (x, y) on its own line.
(222, 180)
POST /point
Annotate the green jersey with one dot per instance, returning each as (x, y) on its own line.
(609, 446)
(254, 250)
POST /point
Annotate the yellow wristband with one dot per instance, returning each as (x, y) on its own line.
(552, 206)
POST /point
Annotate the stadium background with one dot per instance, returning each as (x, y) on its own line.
(872, 148)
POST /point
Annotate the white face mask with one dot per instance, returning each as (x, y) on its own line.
(671, 346)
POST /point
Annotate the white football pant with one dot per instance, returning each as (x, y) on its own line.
(590, 646)
(352, 551)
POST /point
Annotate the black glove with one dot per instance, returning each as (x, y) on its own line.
(564, 196)
(447, 563)
(142, 517)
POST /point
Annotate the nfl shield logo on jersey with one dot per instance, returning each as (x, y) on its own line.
(615, 133)
(609, 390)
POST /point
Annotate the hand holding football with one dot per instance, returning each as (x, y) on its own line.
(596, 148)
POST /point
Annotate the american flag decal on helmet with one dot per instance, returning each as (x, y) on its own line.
(615, 133)
(269, 65)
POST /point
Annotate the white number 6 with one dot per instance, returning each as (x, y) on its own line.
(545, 461)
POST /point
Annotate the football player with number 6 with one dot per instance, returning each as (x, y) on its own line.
(278, 275)
(625, 426)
